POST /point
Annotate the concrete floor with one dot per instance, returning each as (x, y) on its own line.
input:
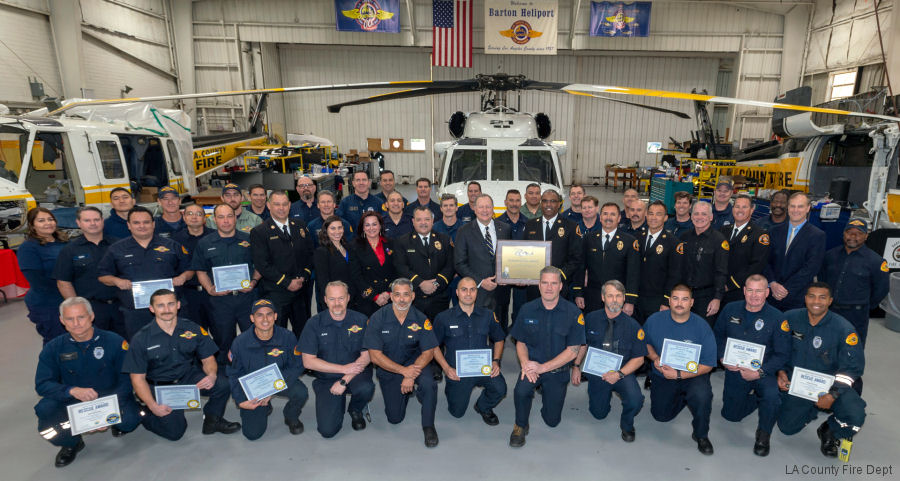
(580, 446)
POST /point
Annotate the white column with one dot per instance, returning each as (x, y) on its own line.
(65, 20)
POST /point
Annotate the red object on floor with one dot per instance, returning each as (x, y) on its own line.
(12, 281)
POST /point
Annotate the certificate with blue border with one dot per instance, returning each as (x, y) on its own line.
(141, 291)
(231, 278)
(474, 362)
(808, 384)
(684, 356)
(96, 414)
(263, 383)
(743, 353)
(178, 396)
(599, 362)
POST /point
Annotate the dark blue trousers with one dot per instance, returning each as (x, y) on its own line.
(459, 392)
(197, 307)
(46, 321)
(669, 396)
(135, 319)
(847, 414)
(227, 312)
(395, 401)
(330, 409)
(738, 402)
(600, 392)
(173, 425)
(108, 316)
(255, 421)
(553, 386)
(53, 419)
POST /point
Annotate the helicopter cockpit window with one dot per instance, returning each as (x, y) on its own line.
(536, 166)
(467, 164)
(502, 165)
(848, 151)
(110, 160)
(12, 147)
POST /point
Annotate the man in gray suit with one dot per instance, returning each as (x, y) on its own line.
(476, 245)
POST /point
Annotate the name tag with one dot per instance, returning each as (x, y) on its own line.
(211, 249)
(453, 327)
(411, 250)
(128, 255)
(324, 334)
(69, 356)
(152, 347)
(385, 332)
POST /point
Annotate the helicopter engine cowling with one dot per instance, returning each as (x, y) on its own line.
(543, 125)
(457, 124)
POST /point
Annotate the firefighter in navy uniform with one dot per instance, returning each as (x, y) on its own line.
(196, 305)
(704, 263)
(748, 248)
(612, 331)
(425, 258)
(609, 254)
(82, 365)
(255, 349)
(566, 248)
(468, 327)
(332, 348)
(748, 388)
(824, 342)
(282, 254)
(659, 264)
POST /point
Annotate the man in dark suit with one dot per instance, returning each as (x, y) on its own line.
(749, 248)
(659, 264)
(609, 254)
(476, 245)
(566, 243)
(282, 253)
(425, 258)
(795, 255)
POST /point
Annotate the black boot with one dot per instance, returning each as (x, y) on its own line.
(829, 445)
(761, 446)
(66, 454)
(213, 425)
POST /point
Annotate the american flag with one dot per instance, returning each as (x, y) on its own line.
(452, 33)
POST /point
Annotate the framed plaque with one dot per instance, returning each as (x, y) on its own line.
(520, 262)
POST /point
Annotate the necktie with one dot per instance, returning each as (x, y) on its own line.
(790, 238)
(488, 241)
(605, 241)
(547, 230)
(649, 242)
(286, 231)
(734, 233)
(425, 241)
(608, 337)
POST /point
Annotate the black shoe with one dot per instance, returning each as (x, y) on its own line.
(829, 445)
(648, 382)
(761, 446)
(488, 416)
(295, 426)
(431, 437)
(357, 422)
(269, 409)
(438, 375)
(628, 436)
(66, 455)
(517, 438)
(213, 425)
(116, 432)
(703, 445)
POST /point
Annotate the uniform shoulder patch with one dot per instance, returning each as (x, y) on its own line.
(495, 318)
(680, 248)
(230, 356)
(204, 332)
(296, 351)
(184, 250)
(785, 326)
(427, 324)
(725, 245)
(578, 230)
(852, 339)
(640, 335)
(581, 319)
(124, 345)
(884, 266)
(764, 239)
(636, 245)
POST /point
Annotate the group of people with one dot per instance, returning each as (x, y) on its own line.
(403, 285)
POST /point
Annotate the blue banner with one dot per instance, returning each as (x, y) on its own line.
(367, 15)
(617, 19)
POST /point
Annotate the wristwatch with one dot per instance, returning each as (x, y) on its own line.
(575, 364)
(342, 382)
(498, 362)
(678, 374)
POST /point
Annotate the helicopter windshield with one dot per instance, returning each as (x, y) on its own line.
(536, 166)
(12, 149)
(468, 164)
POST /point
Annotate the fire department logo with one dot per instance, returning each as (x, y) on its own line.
(884, 266)
(852, 339)
(244, 244)
(659, 249)
(368, 14)
(414, 327)
(785, 326)
(427, 324)
(680, 248)
(275, 352)
(161, 249)
(437, 245)
(520, 32)
(764, 239)
(640, 335)
(636, 245)
(354, 329)
(188, 335)
(561, 232)
(744, 239)
(725, 245)
(620, 245)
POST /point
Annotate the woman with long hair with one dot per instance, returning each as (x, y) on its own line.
(37, 259)
(332, 257)
(371, 265)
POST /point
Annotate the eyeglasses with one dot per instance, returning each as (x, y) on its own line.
(304, 186)
(195, 214)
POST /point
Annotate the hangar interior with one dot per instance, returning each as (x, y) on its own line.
(753, 49)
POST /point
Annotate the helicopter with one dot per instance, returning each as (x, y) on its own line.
(499, 146)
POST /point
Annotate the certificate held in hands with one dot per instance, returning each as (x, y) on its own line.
(263, 383)
(809, 384)
(96, 414)
(743, 354)
(141, 291)
(231, 278)
(599, 362)
(178, 396)
(684, 356)
(520, 262)
(474, 362)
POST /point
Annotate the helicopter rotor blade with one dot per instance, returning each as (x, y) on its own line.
(402, 94)
(676, 113)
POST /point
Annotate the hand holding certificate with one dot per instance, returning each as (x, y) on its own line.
(178, 396)
(683, 356)
(474, 362)
(809, 385)
(231, 278)
(141, 291)
(96, 414)
(743, 354)
(599, 362)
(263, 383)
